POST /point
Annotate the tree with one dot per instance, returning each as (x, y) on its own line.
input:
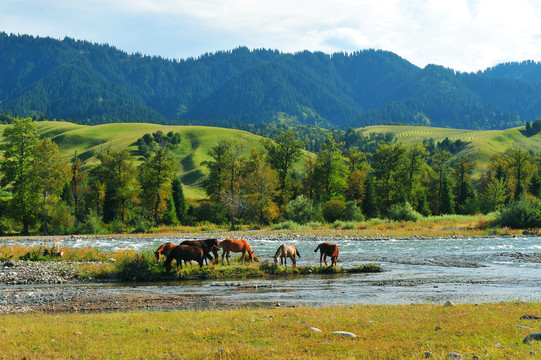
(179, 200)
(369, 205)
(387, 168)
(260, 187)
(155, 176)
(446, 203)
(77, 188)
(495, 195)
(118, 174)
(330, 171)
(50, 171)
(16, 165)
(224, 182)
(282, 154)
(464, 191)
(534, 187)
(519, 163)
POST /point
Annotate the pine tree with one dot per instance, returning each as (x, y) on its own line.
(369, 206)
(447, 205)
(181, 206)
(534, 187)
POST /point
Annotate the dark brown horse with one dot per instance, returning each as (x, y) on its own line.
(235, 245)
(207, 245)
(327, 249)
(164, 249)
(186, 253)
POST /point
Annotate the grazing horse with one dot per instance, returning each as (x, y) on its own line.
(207, 245)
(327, 249)
(186, 253)
(164, 249)
(284, 252)
(235, 245)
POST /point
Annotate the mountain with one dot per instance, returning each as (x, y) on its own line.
(97, 83)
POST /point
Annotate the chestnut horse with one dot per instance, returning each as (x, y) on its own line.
(186, 253)
(235, 245)
(207, 245)
(327, 249)
(164, 249)
(284, 252)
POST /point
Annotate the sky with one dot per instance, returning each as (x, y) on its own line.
(465, 35)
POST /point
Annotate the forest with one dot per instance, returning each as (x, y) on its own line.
(92, 84)
(351, 177)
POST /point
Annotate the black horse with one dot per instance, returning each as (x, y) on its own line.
(186, 253)
(207, 245)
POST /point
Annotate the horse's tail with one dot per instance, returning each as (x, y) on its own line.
(317, 248)
(297, 251)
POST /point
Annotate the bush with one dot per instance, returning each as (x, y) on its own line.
(403, 212)
(334, 210)
(300, 210)
(288, 225)
(352, 212)
(523, 214)
(93, 225)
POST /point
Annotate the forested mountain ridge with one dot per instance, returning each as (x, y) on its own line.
(98, 84)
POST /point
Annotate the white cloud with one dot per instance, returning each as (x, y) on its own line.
(462, 34)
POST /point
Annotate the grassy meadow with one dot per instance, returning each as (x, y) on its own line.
(383, 332)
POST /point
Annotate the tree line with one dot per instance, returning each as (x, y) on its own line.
(46, 193)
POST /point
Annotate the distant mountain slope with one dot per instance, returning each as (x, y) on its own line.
(99, 84)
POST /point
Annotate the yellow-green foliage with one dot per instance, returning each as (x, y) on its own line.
(383, 332)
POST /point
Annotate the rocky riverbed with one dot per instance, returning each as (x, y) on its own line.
(35, 286)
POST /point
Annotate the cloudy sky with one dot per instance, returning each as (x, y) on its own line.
(466, 35)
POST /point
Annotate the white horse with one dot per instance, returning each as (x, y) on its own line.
(284, 252)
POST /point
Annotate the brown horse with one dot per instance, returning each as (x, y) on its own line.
(207, 245)
(235, 245)
(165, 250)
(284, 252)
(186, 253)
(327, 249)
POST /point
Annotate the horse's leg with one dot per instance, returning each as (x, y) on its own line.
(320, 258)
(223, 253)
(243, 254)
(294, 260)
(325, 259)
(227, 257)
(285, 261)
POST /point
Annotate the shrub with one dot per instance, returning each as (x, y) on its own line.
(288, 225)
(523, 214)
(300, 210)
(352, 212)
(334, 210)
(403, 212)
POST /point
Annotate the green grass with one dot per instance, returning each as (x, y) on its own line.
(383, 332)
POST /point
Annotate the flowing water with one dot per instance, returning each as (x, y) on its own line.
(467, 270)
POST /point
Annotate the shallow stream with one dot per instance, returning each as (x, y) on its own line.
(466, 270)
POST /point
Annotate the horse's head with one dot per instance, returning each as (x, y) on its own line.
(251, 255)
(158, 255)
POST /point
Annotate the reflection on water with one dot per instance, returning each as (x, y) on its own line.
(435, 270)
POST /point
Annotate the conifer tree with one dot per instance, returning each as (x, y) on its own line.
(181, 206)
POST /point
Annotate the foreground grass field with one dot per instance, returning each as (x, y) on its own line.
(383, 332)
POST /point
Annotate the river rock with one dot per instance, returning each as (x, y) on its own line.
(428, 355)
(454, 355)
(345, 334)
(315, 329)
(9, 263)
(533, 336)
(530, 317)
(449, 303)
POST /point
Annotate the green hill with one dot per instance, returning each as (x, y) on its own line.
(194, 147)
(482, 144)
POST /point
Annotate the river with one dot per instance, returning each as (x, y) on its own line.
(461, 270)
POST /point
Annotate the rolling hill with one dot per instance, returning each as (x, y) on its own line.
(482, 144)
(194, 147)
(98, 84)
(197, 141)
